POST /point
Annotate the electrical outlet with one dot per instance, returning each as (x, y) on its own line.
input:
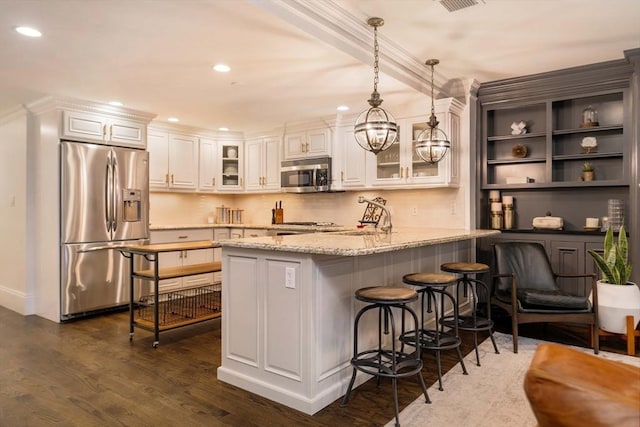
(414, 211)
(454, 209)
(290, 277)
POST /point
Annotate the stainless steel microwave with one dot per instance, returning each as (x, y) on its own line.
(306, 175)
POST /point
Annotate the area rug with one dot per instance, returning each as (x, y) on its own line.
(492, 395)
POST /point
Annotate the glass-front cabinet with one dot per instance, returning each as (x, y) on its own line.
(231, 165)
(400, 166)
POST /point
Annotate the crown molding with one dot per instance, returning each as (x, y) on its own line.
(50, 103)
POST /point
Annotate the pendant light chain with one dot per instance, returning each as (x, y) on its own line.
(375, 130)
(376, 52)
(433, 111)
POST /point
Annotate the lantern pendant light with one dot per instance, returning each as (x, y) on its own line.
(432, 143)
(375, 130)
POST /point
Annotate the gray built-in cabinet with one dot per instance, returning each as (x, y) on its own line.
(541, 168)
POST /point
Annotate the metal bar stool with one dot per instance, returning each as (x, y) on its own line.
(436, 339)
(472, 322)
(382, 362)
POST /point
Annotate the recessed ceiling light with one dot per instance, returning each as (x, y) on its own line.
(28, 31)
(173, 119)
(342, 108)
(116, 103)
(222, 68)
(223, 129)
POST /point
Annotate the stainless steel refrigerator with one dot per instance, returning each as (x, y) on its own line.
(104, 203)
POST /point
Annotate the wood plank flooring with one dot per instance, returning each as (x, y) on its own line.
(87, 373)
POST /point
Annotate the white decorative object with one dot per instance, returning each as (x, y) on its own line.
(232, 153)
(519, 180)
(615, 303)
(589, 144)
(548, 222)
(518, 128)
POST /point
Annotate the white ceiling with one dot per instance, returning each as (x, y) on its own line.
(292, 60)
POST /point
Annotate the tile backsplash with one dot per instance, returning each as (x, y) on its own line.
(439, 207)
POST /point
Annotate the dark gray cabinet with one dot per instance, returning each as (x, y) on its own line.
(541, 168)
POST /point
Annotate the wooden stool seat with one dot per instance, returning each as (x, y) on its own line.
(426, 279)
(386, 294)
(464, 267)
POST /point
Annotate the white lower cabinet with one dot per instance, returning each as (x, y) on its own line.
(182, 258)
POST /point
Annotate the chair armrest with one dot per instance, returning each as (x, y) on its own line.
(574, 275)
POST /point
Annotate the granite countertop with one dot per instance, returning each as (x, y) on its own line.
(356, 242)
(310, 228)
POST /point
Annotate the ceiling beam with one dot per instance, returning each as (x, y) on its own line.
(330, 23)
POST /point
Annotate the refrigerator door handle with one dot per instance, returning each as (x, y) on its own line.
(107, 195)
(114, 196)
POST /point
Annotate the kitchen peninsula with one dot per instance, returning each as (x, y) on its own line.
(288, 304)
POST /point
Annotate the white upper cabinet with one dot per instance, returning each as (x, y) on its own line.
(92, 127)
(400, 166)
(349, 163)
(262, 160)
(208, 164)
(309, 143)
(230, 166)
(176, 157)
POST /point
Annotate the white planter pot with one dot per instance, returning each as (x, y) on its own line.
(615, 303)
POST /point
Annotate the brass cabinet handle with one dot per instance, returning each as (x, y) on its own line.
(408, 173)
(166, 178)
(240, 182)
(172, 178)
(401, 172)
(341, 176)
(110, 132)
(213, 182)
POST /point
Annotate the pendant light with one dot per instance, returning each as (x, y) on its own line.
(432, 143)
(375, 129)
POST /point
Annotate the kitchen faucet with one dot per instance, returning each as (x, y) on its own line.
(386, 227)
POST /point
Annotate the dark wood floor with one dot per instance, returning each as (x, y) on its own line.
(87, 373)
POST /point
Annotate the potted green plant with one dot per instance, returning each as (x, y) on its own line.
(588, 174)
(617, 296)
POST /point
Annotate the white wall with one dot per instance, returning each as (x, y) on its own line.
(13, 211)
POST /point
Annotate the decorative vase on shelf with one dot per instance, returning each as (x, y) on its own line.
(588, 173)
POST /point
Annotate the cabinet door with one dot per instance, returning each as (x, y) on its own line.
(271, 173)
(84, 126)
(126, 133)
(353, 170)
(294, 145)
(567, 257)
(207, 165)
(183, 161)
(317, 142)
(230, 166)
(254, 161)
(312, 143)
(158, 147)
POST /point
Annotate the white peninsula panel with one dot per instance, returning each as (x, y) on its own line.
(289, 305)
